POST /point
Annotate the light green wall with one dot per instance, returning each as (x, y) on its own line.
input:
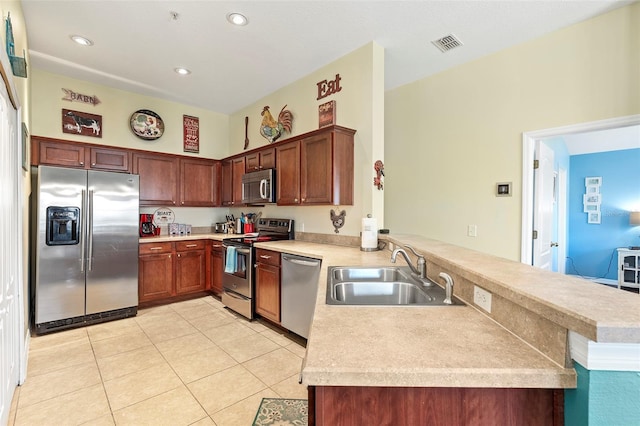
(359, 106)
(116, 107)
(451, 137)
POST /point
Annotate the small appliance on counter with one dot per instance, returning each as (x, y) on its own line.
(147, 228)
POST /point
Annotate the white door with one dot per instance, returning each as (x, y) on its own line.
(9, 249)
(543, 182)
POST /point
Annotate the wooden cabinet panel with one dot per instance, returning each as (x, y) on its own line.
(158, 179)
(260, 160)
(268, 284)
(288, 173)
(110, 159)
(191, 266)
(217, 267)
(199, 183)
(316, 177)
(226, 183)
(350, 405)
(238, 171)
(155, 276)
(61, 154)
(231, 181)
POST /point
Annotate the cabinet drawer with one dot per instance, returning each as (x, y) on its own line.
(216, 246)
(267, 256)
(189, 245)
(154, 248)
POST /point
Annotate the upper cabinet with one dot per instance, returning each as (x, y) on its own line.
(260, 160)
(158, 178)
(53, 152)
(231, 181)
(317, 169)
(199, 182)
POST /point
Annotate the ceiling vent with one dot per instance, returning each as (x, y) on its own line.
(447, 43)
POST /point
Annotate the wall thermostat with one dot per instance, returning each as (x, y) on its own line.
(503, 189)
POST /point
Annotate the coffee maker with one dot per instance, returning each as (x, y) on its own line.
(147, 228)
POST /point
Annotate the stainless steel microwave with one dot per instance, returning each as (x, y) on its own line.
(259, 187)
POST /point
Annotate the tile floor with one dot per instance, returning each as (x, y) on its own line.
(188, 363)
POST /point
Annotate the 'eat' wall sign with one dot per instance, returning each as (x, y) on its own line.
(326, 88)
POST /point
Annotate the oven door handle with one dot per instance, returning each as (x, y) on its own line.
(239, 250)
(235, 296)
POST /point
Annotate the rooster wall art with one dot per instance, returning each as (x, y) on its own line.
(272, 129)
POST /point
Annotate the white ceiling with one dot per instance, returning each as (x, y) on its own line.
(138, 45)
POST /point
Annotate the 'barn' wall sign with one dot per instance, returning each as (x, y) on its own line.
(71, 96)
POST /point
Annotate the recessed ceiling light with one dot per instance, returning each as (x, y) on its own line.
(182, 71)
(81, 40)
(237, 19)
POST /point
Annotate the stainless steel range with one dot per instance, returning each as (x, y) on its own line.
(238, 279)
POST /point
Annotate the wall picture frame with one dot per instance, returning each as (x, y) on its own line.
(593, 181)
(593, 217)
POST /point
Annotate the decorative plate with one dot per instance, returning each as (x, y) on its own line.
(146, 124)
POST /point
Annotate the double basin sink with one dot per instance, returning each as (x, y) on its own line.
(387, 286)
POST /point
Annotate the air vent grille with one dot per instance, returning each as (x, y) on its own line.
(447, 43)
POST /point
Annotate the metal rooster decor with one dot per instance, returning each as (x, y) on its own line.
(337, 220)
(378, 166)
(272, 129)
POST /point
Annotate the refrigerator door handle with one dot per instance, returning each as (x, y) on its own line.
(83, 227)
(90, 232)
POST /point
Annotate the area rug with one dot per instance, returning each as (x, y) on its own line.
(282, 412)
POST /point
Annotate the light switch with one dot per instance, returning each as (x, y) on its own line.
(472, 231)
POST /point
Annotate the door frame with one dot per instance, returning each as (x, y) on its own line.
(528, 151)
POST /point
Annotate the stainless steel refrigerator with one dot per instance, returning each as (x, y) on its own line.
(85, 247)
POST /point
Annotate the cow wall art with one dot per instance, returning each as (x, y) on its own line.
(81, 123)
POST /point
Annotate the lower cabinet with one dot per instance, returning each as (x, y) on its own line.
(268, 284)
(217, 267)
(155, 271)
(168, 270)
(191, 266)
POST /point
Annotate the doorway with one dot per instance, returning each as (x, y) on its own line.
(529, 208)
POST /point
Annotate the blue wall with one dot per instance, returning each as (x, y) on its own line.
(590, 246)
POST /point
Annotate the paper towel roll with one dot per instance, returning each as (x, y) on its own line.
(369, 234)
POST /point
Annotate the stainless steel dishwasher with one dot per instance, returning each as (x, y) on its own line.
(299, 292)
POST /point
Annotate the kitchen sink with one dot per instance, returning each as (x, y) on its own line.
(385, 286)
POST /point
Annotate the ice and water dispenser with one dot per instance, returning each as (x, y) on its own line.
(63, 226)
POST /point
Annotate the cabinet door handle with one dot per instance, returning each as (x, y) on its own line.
(155, 248)
(192, 245)
(93, 164)
(265, 256)
(82, 163)
(217, 245)
(179, 255)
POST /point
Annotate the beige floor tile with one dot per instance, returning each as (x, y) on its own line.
(201, 364)
(198, 311)
(257, 325)
(214, 301)
(106, 420)
(297, 349)
(112, 329)
(60, 337)
(59, 382)
(231, 331)
(14, 405)
(204, 422)
(248, 347)
(180, 347)
(211, 320)
(135, 387)
(279, 337)
(73, 408)
(291, 388)
(165, 330)
(173, 408)
(119, 344)
(225, 388)
(129, 362)
(243, 412)
(275, 366)
(62, 355)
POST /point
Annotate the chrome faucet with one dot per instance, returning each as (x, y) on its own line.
(448, 289)
(420, 271)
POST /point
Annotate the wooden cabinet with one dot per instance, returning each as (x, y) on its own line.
(54, 152)
(317, 169)
(260, 160)
(158, 179)
(190, 266)
(217, 267)
(268, 284)
(155, 271)
(199, 180)
(231, 181)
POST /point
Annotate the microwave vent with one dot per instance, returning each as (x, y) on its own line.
(447, 43)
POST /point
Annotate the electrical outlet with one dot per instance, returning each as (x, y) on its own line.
(302, 227)
(472, 230)
(482, 298)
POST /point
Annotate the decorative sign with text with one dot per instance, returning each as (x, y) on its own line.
(326, 88)
(191, 133)
(71, 96)
(327, 114)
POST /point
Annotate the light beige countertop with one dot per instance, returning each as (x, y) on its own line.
(171, 239)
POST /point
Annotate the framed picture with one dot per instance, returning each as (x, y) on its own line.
(327, 114)
(595, 180)
(81, 123)
(591, 198)
(593, 217)
(191, 133)
(593, 189)
(25, 144)
(591, 208)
